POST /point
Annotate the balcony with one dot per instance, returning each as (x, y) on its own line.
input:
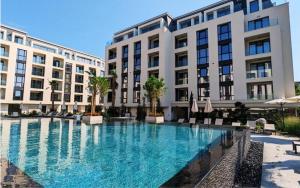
(4, 53)
(260, 97)
(181, 41)
(253, 74)
(3, 67)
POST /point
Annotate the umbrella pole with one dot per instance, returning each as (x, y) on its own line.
(282, 114)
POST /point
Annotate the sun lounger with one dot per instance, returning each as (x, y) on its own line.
(15, 114)
(295, 144)
(192, 121)
(219, 122)
(270, 127)
(251, 124)
(180, 120)
(236, 124)
(207, 121)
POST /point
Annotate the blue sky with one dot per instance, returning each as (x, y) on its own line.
(87, 25)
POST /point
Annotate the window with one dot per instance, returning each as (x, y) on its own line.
(266, 4)
(259, 23)
(226, 70)
(150, 27)
(181, 41)
(136, 96)
(77, 98)
(40, 59)
(137, 63)
(260, 91)
(18, 40)
(67, 97)
(19, 82)
(125, 52)
(3, 51)
(136, 79)
(38, 84)
(36, 96)
(203, 93)
(181, 94)
(184, 24)
(1, 35)
(57, 63)
(225, 52)
(259, 70)
(153, 60)
(102, 73)
(202, 37)
(78, 88)
(111, 68)
(202, 56)
(22, 54)
(203, 72)
(124, 97)
(181, 77)
(112, 53)
(67, 55)
(20, 68)
(125, 81)
(79, 69)
(226, 92)
(56, 74)
(79, 78)
(125, 66)
(210, 16)
(254, 6)
(137, 48)
(45, 48)
(259, 47)
(18, 94)
(68, 68)
(153, 41)
(67, 88)
(37, 71)
(224, 31)
(154, 73)
(223, 11)
(181, 59)
(3, 66)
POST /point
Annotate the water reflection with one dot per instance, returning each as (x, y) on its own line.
(116, 155)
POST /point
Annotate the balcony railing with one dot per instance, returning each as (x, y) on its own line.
(259, 74)
(181, 81)
(260, 97)
(272, 22)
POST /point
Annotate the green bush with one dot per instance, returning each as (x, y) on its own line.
(292, 125)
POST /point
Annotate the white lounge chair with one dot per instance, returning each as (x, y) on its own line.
(15, 114)
(180, 120)
(207, 121)
(251, 124)
(192, 121)
(270, 127)
(219, 122)
(236, 124)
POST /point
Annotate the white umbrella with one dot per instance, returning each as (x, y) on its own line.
(294, 99)
(208, 107)
(194, 106)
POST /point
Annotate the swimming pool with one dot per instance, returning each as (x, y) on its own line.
(63, 153)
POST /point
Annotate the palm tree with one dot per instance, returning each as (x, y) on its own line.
(154, 88)
(114, 86)
(53, 85)
(97, 85)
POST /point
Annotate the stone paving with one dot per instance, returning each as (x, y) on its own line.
(281, 166)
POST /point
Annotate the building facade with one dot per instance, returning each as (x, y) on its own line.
(233, 50)
(27, 66)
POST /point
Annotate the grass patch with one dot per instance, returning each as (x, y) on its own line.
(292, 125)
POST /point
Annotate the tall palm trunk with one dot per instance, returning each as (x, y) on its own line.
(52, 99)
(93, 105)
(113, 93)
(154, 101)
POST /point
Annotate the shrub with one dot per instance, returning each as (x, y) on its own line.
(292, 125)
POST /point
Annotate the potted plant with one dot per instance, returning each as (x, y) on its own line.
(154, 89)
(97, 85)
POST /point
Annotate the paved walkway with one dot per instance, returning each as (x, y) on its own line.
(281, 166)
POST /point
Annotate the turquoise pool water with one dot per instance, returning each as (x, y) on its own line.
(65, 154)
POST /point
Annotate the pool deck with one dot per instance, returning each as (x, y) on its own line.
(281, 166)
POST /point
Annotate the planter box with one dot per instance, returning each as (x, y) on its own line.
(152, 119)
(92, 119)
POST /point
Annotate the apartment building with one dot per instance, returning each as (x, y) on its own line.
(27, 66)
(232, 50)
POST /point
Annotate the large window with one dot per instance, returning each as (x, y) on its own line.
(226, 92)
(36, 96)
(136, 96)
(181, 94)
(18, 40)
(137, 63)
(210, 16)
(185, 23)
(181, 59)
(223, 11)
(18, 94)
(258, 47)
(181, 77)
(136, 80)
(202, 56)
(254, 6)
(22, 54)
(79, 88)
(137, 48)
(225, 52)
(78, 98)
(111, 68)
(124, 97)
(224, 31)
(112, 53)
(20, 68)
(153, 41)
(259, 70)
(125, 66)
(258, 23)
(40, 59)
(153, 60)
(19, 81)
(260, 91)
(37, 84)
(37, 71)
(181, 41)
(202, 37)
(125, 52)
(79, 69)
